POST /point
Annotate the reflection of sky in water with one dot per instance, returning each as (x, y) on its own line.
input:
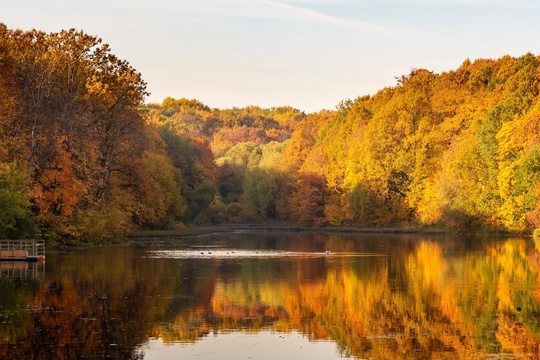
(264, 345)
(218, 253)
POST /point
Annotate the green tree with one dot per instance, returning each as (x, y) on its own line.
(200, 199)
(267, 193)
(16, 219)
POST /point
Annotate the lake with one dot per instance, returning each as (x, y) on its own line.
(277, 295)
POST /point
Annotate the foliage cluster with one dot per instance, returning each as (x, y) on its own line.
(458, 149)
(78, 162)
(83, 158)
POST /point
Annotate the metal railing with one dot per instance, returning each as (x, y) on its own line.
(22, 249)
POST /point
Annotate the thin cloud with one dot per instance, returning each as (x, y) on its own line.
(525, 4)
(287, 12)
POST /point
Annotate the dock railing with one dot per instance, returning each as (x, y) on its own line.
(29, 250)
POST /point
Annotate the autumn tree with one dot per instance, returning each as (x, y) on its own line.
(75, 115)
(308, 202)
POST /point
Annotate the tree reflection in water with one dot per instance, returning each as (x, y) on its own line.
(384, 297)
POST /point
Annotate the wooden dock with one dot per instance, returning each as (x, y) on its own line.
(22, 250)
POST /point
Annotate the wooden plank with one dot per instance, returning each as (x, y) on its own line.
(13, 253)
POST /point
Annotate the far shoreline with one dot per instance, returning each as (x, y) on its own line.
(195, 231)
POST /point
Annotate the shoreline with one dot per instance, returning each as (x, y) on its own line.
(226, 228)
(142, 236)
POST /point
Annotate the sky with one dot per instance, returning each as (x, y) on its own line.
(308, 54)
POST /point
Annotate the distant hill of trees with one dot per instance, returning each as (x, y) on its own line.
(83, 158)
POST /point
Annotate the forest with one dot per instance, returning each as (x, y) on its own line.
(84, 159)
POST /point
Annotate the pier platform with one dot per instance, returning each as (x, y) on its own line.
(22, 250)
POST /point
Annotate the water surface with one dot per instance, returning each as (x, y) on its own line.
(278, 295)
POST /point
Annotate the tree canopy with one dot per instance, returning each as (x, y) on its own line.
(84, 158)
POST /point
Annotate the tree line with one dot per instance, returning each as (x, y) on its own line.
(84, 158)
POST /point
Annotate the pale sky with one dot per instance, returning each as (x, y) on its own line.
(309, 54)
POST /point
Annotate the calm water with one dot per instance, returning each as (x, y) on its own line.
(278, 296)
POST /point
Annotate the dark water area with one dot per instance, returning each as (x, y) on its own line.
(278, 295)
